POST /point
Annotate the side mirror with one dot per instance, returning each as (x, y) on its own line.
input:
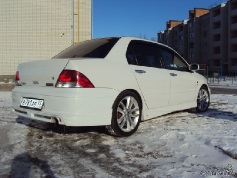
(193, 67)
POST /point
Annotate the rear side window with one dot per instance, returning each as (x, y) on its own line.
(98, 48)
(143, 54)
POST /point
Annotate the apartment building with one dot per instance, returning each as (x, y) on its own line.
(34, 30)
(184, 36)
(211, 37)
(232, 37)
(219, 37)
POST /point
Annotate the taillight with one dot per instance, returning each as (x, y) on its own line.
(73, 79)
(17, 79)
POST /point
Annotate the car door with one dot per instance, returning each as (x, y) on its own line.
(153, 80)
(183, 84)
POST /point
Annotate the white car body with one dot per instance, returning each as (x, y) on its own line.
(161, 90)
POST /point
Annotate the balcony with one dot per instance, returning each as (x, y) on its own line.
(233, 40)
(233, 12)
(233, 26)
(233, 54)
(216, 31)
(216, 43)
(216, 56)
(216, 18)
(216, 25)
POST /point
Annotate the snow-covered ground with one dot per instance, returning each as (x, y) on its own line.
(181, 144)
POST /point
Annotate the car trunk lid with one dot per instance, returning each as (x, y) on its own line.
(43, 73)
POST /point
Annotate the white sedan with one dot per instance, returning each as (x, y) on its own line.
(113, 82)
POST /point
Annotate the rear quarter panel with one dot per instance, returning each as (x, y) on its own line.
(105, 73)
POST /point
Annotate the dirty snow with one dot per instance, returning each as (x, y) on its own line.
(181, 144)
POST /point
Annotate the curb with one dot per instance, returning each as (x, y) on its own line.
(6, 87)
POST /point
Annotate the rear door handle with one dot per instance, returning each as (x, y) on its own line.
(140, 71)
(173, 74)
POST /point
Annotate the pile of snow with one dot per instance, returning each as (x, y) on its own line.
(180, 144)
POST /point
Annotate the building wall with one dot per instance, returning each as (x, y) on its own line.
(232, 37)
(192, 36)
(172, 23)
(82, 20)
(39, 29)
(204, 39)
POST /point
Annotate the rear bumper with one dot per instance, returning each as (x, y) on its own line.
(69, 106)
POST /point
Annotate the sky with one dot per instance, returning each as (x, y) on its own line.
(141, 18)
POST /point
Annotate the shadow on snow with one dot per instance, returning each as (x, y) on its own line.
(59, 128)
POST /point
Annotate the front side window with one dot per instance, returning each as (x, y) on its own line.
(172, 61)
(143, 54)
(98, 48)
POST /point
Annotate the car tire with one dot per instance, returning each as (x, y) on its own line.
(203, 100)
(126, 114)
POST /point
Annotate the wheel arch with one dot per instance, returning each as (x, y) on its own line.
(114, 128)
(135, 92)
(206, 87)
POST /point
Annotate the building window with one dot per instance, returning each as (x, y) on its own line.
(191, 35)
(217, 50)
(233, 5)
(216, 62)
(233, 48)
(191, 45)
(190, 25)
(181, 37)
(204, 34)
(233, 34)
(181, 28)
(216, 25)
(217, 37)
(233, 20)
(216, 12)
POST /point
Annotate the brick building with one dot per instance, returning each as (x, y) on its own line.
(33, 29)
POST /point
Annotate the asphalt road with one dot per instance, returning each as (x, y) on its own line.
(223, 91)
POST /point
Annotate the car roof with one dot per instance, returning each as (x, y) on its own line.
(141, 39)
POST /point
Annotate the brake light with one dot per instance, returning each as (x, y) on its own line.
(73, 79)
(17, 79)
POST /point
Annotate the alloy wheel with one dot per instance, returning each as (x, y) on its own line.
(128, 113)
(203, 100)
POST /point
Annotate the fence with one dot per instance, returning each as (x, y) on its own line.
(216, 74)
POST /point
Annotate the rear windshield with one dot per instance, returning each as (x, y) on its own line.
(98, 48)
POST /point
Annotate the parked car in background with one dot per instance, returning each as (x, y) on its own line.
(113, 82)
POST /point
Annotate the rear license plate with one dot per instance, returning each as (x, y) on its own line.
(32, 103)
